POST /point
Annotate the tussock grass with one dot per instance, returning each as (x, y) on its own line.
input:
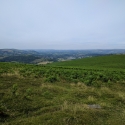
(91, 100)
(121, 95)
(73, 108)
(54, 103)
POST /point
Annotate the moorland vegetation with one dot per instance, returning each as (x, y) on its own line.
(89, 91)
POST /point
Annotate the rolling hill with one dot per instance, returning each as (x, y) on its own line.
(115, 62)
(77, 92)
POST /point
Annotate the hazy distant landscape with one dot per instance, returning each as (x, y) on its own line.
(49, 56)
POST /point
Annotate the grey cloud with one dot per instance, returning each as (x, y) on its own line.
(64, 24)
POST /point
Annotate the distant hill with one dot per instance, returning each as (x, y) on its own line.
(15, 52)
(40, 56)
(14, 55)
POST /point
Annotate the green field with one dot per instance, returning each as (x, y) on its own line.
(114, 62)
(89, 91)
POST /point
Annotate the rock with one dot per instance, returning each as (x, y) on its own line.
(94, 106)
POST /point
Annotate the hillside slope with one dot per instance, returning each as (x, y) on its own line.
(115, 62)
(63, 95)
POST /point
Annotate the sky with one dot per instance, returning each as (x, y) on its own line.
(62, 24)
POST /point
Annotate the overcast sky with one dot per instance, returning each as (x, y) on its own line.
(62, 24)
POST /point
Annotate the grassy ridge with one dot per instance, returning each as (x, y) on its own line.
(57, 95)
(115, 62)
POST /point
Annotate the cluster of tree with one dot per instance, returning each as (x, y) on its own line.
(21, 58)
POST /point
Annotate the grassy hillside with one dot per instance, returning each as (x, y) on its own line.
(102, 62)
(57, 95)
